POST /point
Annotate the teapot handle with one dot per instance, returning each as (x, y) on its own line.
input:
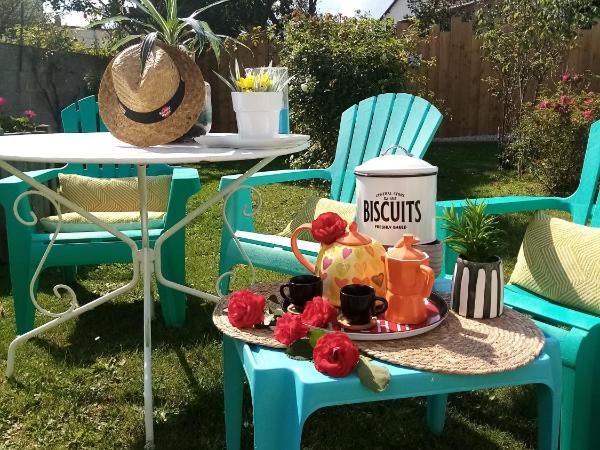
(430, 274)
(299, 256)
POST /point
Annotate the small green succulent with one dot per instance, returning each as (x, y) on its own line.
(472, 233)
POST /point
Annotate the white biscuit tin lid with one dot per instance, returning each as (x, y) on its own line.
(401, 165)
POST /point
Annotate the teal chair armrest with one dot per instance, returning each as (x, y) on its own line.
(278, 176)
(506, 205)
(495, 205)
(185, 182)
(39, 175)
(540, 308)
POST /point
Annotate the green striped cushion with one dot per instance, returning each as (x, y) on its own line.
(315, 206)
(114, 194)
(560, 261)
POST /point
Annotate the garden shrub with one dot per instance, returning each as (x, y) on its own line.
(338, 61)
(551, 138)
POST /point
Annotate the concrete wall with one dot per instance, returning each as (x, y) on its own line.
(29, 82)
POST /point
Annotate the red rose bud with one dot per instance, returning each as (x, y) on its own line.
(246, 309)
(587, 115)
(335, 355)
(566, 77)
(318, 312)
(328, 227)
(289, 329)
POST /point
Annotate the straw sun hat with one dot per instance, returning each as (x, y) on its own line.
(153, 107)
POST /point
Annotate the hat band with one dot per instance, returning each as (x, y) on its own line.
(158, 114)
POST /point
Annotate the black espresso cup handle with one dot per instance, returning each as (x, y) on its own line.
(381, 308)
(281, 291)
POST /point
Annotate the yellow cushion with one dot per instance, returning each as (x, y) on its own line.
(316, 206)
(560, 261)
(75, 223)
(114, 194)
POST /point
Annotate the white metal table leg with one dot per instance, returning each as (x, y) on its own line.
(147, 269)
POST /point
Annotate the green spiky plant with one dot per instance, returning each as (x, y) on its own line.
(472, 234)
(189, 34)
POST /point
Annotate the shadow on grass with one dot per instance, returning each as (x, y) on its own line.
(199, 423)
(119, 326)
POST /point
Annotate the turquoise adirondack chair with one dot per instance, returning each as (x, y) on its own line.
(26, 245)
(366, 129)
(577, 332)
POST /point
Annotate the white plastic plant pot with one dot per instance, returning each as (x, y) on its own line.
(257, 113)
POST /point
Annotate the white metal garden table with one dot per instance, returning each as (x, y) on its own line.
(103, 148)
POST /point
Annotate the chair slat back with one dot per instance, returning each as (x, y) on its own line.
(582, 201)
(82, 117)
(372, 126)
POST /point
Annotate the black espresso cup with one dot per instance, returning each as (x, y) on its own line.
(302, 288)
(360, 304)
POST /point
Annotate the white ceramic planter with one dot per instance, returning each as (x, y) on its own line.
(257, 113)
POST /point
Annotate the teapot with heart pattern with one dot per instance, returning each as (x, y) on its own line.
(348, 258)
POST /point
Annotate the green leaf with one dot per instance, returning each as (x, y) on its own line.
(314, 335)
(147, 45)
(125, 40)
(300, 350)
(371, 376)
(153, 12)
(171, 10)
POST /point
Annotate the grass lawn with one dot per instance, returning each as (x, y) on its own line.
(80, 385)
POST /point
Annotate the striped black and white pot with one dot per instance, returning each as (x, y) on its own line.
(478, 288)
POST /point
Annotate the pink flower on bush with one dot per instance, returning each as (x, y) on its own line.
(565, 100)
(588, 101)
(566, 77)
(2, 102)
(30, 114)
(544, 104)
(587, 115)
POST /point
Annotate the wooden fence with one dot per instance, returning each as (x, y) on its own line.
(457, 78)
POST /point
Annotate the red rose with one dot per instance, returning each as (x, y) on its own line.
(544, 104)
(335, 355)
(246, 309)
(566, 77)
(289, 329)
(587, 115)
(588, 102)
(328, 227)
(318, 312)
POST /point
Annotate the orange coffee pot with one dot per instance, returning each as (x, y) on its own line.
(409, 282)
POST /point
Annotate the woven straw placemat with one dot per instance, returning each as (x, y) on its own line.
(458, 346)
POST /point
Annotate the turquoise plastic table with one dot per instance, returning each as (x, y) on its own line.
(291, 390)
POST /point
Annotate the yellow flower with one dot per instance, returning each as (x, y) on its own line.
(265, 82)
(248, 83)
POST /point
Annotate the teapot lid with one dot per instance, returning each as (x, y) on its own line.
(404, 249)
(354, 237)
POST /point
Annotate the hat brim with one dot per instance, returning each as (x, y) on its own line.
(167, 130)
